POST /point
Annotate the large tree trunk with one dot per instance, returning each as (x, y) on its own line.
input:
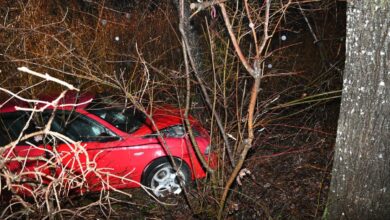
(194, 43)
(194, 48)
(360, 187)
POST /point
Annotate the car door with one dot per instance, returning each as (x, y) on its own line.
(97, 154)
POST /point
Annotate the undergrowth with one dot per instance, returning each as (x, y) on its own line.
(135, 50)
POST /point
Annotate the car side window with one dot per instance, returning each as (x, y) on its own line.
(79, 127)
(11, 126)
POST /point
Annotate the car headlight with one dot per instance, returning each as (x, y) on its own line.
(177, 131)
(174, 131)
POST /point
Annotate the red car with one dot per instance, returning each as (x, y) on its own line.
(118, 147)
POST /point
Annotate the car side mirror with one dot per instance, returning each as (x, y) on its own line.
(107, 138)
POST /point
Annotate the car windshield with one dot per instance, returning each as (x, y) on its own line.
(128, 120)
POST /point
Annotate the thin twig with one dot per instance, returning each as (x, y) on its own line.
(257, 72)
(233, 38)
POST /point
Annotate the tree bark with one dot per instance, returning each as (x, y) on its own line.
(194, 43)
(360, 186)
(194, 47)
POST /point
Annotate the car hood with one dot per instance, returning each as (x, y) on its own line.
(163, 117)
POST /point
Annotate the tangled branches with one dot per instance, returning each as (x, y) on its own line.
(44, 167)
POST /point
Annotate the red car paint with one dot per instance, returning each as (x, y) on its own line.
(127, 157)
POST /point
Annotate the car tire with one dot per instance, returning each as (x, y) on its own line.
(162, 180)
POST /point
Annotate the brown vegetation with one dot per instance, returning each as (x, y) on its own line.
(134, 49)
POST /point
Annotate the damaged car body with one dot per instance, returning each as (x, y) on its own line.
(119, 147)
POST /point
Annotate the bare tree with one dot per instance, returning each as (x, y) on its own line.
(361, 172)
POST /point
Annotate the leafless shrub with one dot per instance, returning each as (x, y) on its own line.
(91, 46)
(43, 189)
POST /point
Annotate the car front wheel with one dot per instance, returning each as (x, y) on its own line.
(163, 180)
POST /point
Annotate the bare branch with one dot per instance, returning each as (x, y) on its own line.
(47, 77)
(237, 47)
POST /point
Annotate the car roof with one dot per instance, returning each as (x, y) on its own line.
(71, 97)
